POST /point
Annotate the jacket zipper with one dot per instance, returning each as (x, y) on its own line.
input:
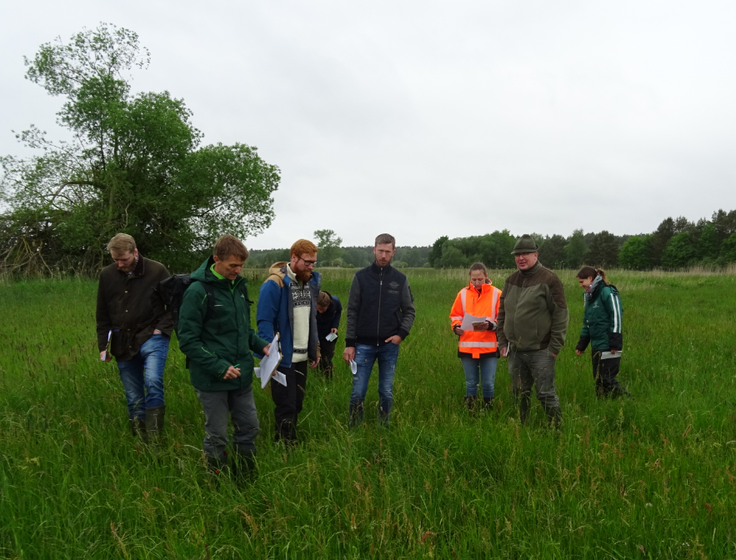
(378, 319)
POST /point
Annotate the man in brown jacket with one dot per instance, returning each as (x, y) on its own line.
(133, 326)
(532, 325)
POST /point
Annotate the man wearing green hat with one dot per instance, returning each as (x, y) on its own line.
(532, 325)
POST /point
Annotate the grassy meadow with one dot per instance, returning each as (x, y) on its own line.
(651, 477)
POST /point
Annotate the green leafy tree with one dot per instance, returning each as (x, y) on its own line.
(728, 249)
(724, 223)
(660, 238)
(552, 251)
(135, 165)
(708, 244)
(329, 246)
(635, 253)
(680, 251)
(358, 257)
(575, 249)
(603, 250)
(452, 256)
(435, 254)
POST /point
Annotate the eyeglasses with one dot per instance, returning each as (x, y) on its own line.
(308, 263)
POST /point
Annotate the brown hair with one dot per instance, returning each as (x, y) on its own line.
(590, 272)
(228, 246)
(479, 266)
(303, 247)
(122, 243)
(324, 299)
(384, 239)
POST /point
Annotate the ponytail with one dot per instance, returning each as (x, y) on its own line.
(590, 272)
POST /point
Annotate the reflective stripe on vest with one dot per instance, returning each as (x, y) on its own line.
(477, 345)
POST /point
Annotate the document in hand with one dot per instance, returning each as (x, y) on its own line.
(271, 362)
(470, 322)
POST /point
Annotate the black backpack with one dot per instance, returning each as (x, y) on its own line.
(172, 290)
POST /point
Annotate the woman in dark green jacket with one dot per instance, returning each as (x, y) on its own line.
(602, 329)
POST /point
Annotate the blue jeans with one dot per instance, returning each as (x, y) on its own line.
(145, 370)
(365, 356)
(487, 367)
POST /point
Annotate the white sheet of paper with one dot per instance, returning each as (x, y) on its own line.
(468, 321)
(330, 337)
(270, 363)
(280, 378)
(104, 356)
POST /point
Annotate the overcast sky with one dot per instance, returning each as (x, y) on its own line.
(424, 118)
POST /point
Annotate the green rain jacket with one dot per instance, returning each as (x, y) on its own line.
(225, 339)
(602, 320)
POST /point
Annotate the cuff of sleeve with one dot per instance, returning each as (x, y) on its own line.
(350, 343)
(403, 334)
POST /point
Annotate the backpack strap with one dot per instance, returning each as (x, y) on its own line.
(277, 277)
(209, 290)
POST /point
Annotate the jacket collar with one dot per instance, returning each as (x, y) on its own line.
(379, 269)
(533, 270)
(139, 269)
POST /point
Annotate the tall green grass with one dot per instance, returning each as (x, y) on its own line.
(651, 477)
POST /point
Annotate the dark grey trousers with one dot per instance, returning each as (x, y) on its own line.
(241, 407)
(534, 368)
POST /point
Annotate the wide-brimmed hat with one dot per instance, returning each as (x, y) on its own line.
(525, 244)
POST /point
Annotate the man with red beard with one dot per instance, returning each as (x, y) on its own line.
(288, 305)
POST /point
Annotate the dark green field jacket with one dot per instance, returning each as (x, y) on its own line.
(533, 313)
(225, 339)
(602, 320)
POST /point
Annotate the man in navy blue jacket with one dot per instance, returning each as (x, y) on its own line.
(288, 305)
(380, 315)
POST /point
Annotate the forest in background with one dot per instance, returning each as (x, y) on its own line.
(675, 244)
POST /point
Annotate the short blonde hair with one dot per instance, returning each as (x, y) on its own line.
(122, 243)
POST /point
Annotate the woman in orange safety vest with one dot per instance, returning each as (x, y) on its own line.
(478, 348)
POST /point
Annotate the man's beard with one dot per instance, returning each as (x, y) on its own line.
(303, 275)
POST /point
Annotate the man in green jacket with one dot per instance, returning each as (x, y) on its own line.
(218, 341)
(532, 325)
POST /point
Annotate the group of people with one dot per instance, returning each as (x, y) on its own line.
(215, 333)
(525, 322)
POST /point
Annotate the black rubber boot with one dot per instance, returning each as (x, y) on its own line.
(487, 403)
(155, 422)
(286, 433)
(138, 428)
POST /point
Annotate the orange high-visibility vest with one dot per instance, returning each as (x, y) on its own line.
(483, 304)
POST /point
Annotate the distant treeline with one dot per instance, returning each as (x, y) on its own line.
(675, 244)
(346, 257)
